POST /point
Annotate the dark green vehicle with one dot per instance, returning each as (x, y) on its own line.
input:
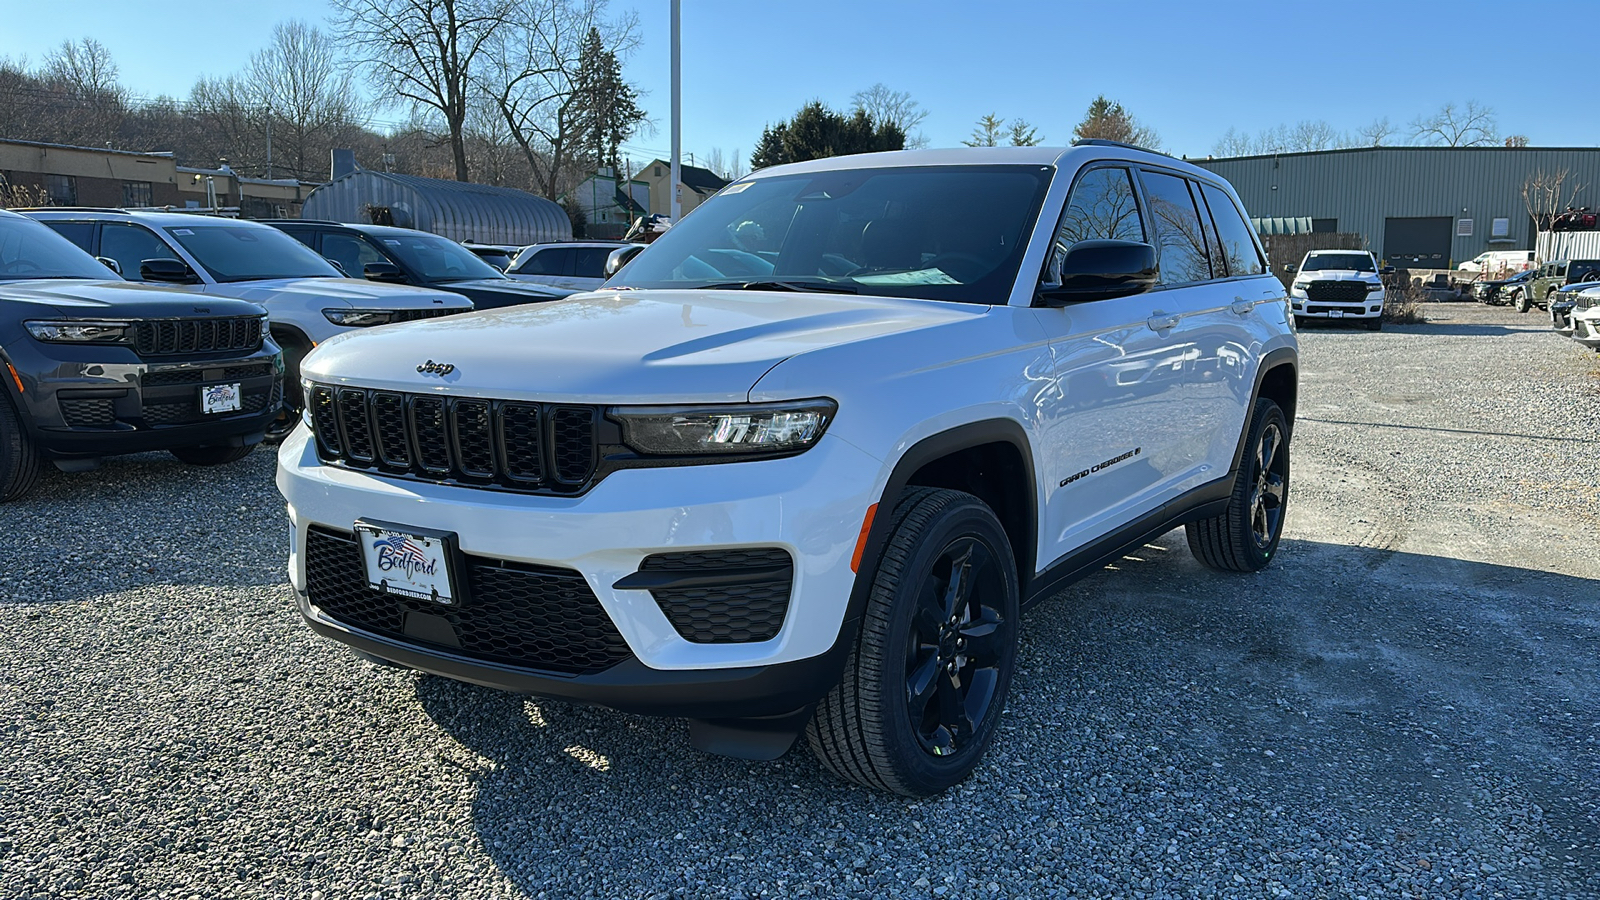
(1552, 277)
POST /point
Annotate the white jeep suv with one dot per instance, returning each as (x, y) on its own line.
(803, 463)
(1338, 284)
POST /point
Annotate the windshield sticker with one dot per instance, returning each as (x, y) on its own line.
(391, 242)
(183, 231)
(736, 188)
(920, 276)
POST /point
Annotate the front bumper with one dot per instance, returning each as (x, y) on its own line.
(1372, 308)
(103, 401)
(1586, 330)
(810, 505)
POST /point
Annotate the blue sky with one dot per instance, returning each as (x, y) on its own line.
(1189, 70)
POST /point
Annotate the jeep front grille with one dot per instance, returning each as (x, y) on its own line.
(538, 617)
(503, 444)
(176, 337)
(1337, 291)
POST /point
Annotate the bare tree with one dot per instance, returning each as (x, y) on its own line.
(1308, 136)
(1546, 194)
(297, 79)
(1376, 133)
(729, 167)
(532, 78)
(1452, 126)
(424, 52)
(92, 101)
(896, 108)
(1232, 143)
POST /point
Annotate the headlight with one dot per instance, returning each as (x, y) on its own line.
(305, 401)
(743, 429)
(266, 328)
(1374, 288)
(1301, 285)
(80, 332)
(360, 318)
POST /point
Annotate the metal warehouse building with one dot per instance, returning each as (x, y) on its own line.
(1430, 207)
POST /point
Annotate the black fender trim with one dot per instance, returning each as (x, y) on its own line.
(1274, 359)
(961, 437)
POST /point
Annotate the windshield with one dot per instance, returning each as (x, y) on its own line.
(248, 252)
(1321, 262)
(435, 259)
(936, 233)
(29, 250)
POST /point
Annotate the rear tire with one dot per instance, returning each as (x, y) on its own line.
(211, 456)
(20, 462)
(1245, 536)
(923, 690)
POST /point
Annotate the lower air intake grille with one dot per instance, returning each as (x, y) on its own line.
(89, 413)
(536, 617)
(745, 599)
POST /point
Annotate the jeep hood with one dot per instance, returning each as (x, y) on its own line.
(83, 298)
(620, 346)
(352, 293)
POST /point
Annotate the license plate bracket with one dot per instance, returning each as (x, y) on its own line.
(405, 561)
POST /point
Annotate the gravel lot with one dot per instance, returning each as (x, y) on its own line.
(1404, 705)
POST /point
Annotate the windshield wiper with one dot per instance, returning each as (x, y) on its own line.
(821, 287)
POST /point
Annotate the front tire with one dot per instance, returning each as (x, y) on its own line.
(1521, 301)
(211, 456)
(1375, 323)
(922, 693)
(19, 458)
(1245, 537)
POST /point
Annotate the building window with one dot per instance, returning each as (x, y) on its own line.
(1500, 228)
(63, 190)
(658, 171)
(136, 193)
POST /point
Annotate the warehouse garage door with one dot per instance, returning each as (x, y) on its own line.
(1419, 242)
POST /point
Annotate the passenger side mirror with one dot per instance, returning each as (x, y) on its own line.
(388, 273)
(620, 257)
(1386, 270)
(1102, 270)
(110, 263)
(166, 271)
(337, 265)
(1291, 268)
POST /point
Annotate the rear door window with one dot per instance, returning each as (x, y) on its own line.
(590, 262)
(80, 233)
(351, 253)
(1236, 241)
(1179, 233)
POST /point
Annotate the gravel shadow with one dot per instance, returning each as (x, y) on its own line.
(1349, 709)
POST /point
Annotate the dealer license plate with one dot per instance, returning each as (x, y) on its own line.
(406, 564)
(219, 398)
(1335, 313)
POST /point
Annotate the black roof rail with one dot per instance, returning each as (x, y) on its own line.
(100, 209)
(1102, 142)
(301, 221)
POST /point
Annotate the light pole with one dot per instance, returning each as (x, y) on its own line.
(677, 115)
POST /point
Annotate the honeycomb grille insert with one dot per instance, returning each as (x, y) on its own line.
(530, 447)
(747, 604)
(535, 617)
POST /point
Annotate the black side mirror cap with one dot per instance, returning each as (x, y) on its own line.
(1291, 268)
(337, 265)
(166, 271)
(1386, 270)
(1102, 270)
(621, 257)
(388, 273)
(110, 263)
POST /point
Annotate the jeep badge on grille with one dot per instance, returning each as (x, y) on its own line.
(432, 368)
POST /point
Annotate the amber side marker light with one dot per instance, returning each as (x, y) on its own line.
(861, 541)
(18, 379)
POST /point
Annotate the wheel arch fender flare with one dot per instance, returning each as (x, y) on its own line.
(1285, 360)
(930, 449)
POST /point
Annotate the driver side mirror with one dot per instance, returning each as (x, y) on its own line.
(1102, 270)
(1291, 268)
(388, 273)
(166, 271)
(621, 257)
(337, 265)
(1386, 270)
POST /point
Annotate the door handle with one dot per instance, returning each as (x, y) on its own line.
(1241, 306)
(1161, 321)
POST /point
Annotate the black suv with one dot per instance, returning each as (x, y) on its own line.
(406, 256)
(92, 366)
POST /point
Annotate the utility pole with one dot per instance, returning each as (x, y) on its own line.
(269, 145)
(677, 112)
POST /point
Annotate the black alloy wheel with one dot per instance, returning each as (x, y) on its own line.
(1244, 537)
(954, 654)
(921, 695)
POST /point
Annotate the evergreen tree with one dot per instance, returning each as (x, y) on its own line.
(816, 132)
